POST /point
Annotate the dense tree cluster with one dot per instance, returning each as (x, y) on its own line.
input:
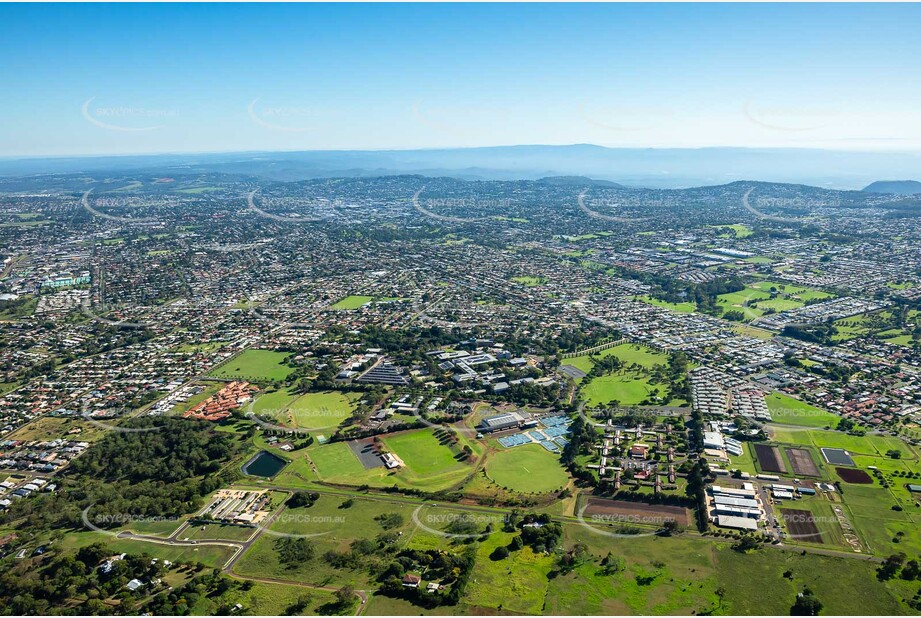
(126, 475)
(163, 448)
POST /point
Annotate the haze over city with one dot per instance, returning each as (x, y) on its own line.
(460, 309)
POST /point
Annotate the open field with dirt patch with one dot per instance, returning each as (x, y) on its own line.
(769, 458)
(802, 462)
(858, 477)
(801, 525)
(636, 512)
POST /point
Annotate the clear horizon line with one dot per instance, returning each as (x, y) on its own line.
(436, 148)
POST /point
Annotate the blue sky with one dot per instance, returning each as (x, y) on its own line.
(105, 79)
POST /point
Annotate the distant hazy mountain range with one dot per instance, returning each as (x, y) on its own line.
(652, 167)
(898, 187)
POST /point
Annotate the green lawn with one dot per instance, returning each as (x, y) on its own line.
(790, 411)
(627, 352)
(517, 584)
(740, 300)
(255, 365)
(322, 410)
(756, 298)
(352, 302)
(430, 465)
(265, 599)
(685, 307)
(423, 454)
(734, 230)
(313, 411)
(905, 340)
(336, 461)
(530, 281)
(779, 304)
(867, 450)
(744, 462)
(223, 532)
(528, 469)
(629, 388)
(273, 402)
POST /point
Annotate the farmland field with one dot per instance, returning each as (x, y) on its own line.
(211, 555)
(334, 526)
(267, 599)
(755, 584)
(517, 586)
